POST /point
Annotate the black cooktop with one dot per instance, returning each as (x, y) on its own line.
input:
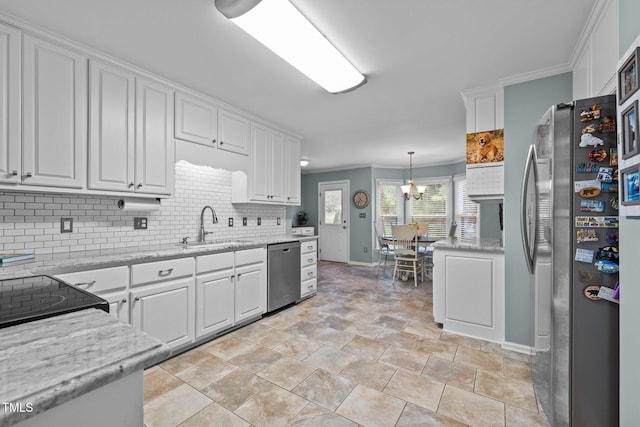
(31, 298)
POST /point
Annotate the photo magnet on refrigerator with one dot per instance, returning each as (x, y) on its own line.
(591, 292)
(584, 255)
(587, 235)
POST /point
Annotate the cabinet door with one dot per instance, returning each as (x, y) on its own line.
(214, 302)
(118, 305)
(259, 173)
(292, 169)
(234, 132)
(166, 311)
(276, 167)
(10, 144)
(154, 138)
(111, 128)
(196, 120)
(250, 292)
(54, 115)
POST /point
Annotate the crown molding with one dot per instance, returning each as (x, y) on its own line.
(599, 9)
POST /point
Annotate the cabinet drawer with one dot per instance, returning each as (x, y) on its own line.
(309, 246)
(214, 262)
(161, 270)
(309, 272)
(308, 286)
(251, 256)
(99, 281)
(308, 259)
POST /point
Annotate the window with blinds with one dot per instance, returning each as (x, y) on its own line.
(467, 213)
(434, 209)
(390, 203)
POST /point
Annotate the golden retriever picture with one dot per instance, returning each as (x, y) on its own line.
(485, 147)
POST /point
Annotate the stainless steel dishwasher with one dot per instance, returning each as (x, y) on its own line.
(283, 270)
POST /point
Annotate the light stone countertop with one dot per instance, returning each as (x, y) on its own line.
(86, 260)
(485, 245)
(50, 361)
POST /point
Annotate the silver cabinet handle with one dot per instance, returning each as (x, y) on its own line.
(136, 299)
(310, 274)
(238, 275)
(14, 173)
(310, 287)
(214, 141)
(140, 185)
(29, 175)
(221, 142)
(310, 260)
(131, 184)
(310, 247)
(124, 300)
(165, 272)
(86, 284)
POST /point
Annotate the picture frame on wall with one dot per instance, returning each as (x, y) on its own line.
(630, 186)
(629, 130)
(628, 77)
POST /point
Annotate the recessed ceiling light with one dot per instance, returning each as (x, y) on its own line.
(304, 162)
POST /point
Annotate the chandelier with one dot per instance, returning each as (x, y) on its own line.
(410, 189)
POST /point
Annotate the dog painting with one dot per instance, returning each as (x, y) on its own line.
(485, 147)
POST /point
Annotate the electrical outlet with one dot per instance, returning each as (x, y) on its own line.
(140, 223)
(66, 225)
(278, 221)
(259, 221)
(230, 222)
(244, 221)
(366, 249)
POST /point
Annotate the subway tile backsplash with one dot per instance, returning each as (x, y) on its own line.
(31, 221)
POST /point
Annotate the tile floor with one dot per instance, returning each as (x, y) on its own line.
(361, 352)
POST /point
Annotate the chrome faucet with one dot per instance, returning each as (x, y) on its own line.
(204, 233)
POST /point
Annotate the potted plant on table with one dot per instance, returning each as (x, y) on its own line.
(302, 218)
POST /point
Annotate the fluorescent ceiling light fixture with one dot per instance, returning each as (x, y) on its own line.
(304, 162)
(281, 27)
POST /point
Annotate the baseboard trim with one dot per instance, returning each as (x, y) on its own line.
(363, 264)
(518, 348)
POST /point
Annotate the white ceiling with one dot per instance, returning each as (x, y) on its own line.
(418, 55)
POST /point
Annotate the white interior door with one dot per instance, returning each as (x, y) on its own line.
(333, 221)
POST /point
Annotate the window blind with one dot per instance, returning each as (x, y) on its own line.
(466, 213)
(434, 207)
(390, 203)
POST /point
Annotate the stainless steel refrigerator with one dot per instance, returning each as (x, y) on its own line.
(569, 231)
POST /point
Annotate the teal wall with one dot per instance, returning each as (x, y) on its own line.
(629, 21)
(361, 229)
(524, 104)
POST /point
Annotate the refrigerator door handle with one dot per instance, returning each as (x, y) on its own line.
(528, 210)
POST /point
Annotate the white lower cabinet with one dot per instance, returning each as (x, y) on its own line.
(250, 292)
(166, 310)
(112, 284)
(308, 268)
(163, 300)
(468, 292)
(231, 288)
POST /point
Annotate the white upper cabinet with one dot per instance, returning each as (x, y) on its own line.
(130, 132)
(292, 181)
(10, 146)
(203, 122)
(259, 173)
(111, 128)
(233, 132)
(276, 165)
(54, 115)
(154, 169)
(196, 120)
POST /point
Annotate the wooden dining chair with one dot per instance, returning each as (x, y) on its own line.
(407, 256)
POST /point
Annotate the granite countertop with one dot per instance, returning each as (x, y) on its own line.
(85, 260)
(485, 245)
(51, 361)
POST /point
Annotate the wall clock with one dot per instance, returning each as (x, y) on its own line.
(361, 199)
